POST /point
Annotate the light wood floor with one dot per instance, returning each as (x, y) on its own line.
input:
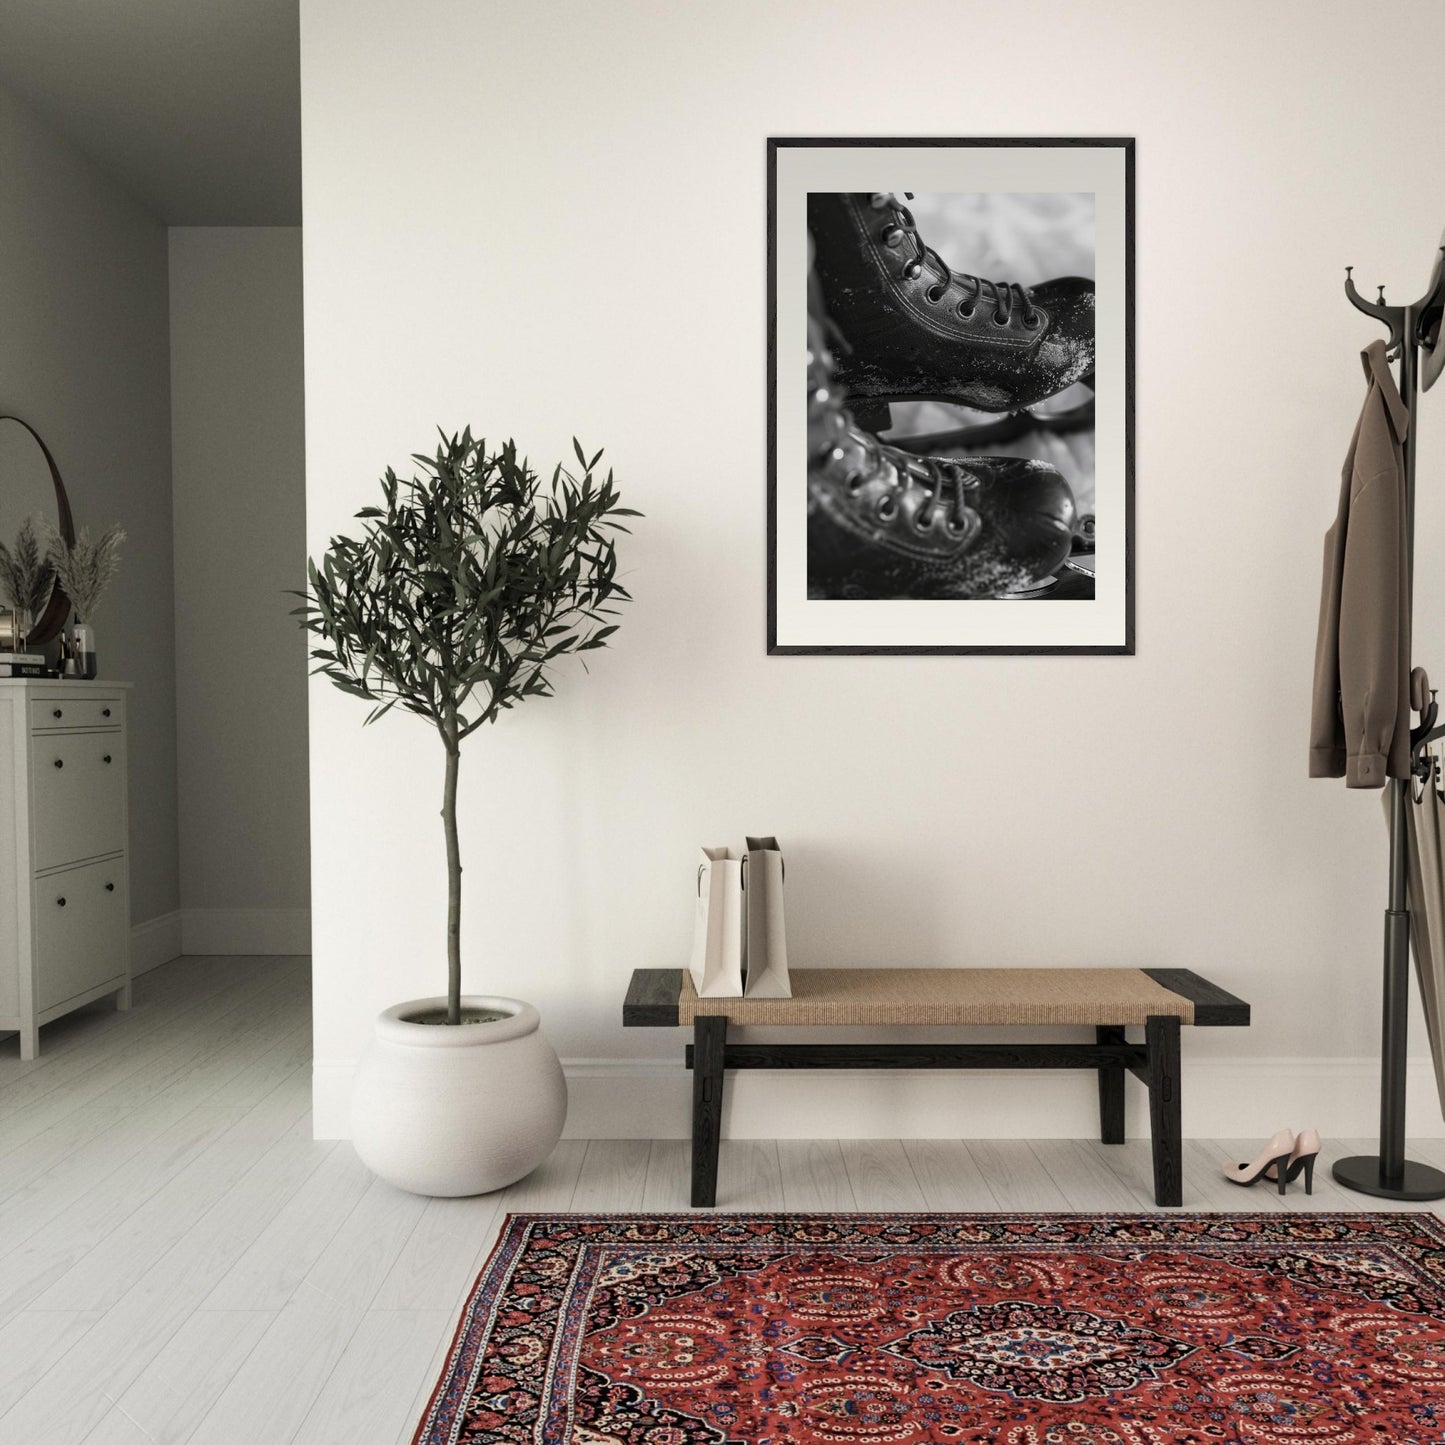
(180, 1261)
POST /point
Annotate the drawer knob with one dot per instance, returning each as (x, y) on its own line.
(105, 712)
(107, 758)
(60, 902)
(57, 713)
(60, 762)
(110, 887)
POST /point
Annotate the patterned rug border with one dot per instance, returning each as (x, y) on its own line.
(515, 1225)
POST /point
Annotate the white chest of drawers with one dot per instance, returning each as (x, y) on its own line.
(64, 852)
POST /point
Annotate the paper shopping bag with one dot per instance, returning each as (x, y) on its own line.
(765, 947)
(717, 934)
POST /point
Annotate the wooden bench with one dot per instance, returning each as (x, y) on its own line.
(1111, 1000)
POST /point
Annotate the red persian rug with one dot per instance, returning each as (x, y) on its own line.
(898, 1329)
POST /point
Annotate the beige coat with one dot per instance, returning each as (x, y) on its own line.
(1360, 726)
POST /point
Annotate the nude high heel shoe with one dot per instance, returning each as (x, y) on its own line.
(1301, 1157)
(1274, 1155)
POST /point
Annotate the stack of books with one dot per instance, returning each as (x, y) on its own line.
(22, 664)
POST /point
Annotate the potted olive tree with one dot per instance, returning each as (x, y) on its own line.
(465, 588)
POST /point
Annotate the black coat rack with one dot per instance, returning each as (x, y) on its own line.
(1388, 1174)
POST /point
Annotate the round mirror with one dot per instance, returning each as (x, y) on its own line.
(30, 486)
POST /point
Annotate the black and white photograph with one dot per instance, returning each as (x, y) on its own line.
(956, 385)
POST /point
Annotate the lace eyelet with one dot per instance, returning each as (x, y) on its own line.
(887, 507)
(999, 321)
(855, 481)
(958, 526)
(934, 294)
(913, 270)
(966, 310)
(1033, 321)
(892, 237)
(923, 520)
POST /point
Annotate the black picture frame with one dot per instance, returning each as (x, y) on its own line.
(1126, 646)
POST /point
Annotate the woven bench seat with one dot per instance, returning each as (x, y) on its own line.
(1109, 1000)
(951, 996)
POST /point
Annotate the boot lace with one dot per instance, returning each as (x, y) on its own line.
(946, 482)
(1007, 296)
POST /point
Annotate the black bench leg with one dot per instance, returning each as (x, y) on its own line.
(709, 1034)
(1161, 1035)
(1111, 1091)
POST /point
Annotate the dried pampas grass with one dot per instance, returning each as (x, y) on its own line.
(26, 575)
(85, 568)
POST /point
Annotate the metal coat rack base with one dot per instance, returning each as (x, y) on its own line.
(1365, 1174)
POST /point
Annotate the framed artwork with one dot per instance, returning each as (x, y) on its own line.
(957, 473)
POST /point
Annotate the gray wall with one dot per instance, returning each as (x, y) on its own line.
(238, 438)
(84, 359)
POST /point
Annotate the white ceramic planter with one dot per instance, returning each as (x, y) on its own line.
(446, 1111)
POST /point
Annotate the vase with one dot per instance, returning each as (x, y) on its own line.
(82, 646)
(454, 1109)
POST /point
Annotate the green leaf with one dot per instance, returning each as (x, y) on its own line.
(467, 584)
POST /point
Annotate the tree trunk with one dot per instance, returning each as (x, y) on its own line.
(454, 877)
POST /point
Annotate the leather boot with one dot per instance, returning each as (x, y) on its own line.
(883, 523)
(918, 331)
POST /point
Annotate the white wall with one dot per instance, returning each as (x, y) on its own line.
(238, 445)
(83, 358)
(549, 218)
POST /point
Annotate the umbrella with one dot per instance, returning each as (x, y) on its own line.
(1425, 816)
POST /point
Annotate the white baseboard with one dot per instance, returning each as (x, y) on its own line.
(154, 942)
(1223, 1099)
(218, 931)
(245, 930)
